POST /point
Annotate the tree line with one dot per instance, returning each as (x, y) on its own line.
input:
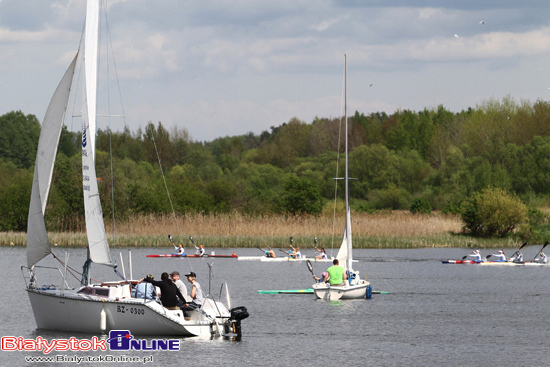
(434, 155)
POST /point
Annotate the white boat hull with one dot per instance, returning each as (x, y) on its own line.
(347, 291)
(68, 311)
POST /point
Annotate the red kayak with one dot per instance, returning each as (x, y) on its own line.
(205, 255)
(460, 262)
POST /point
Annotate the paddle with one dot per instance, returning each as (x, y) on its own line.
(545, 244)
(488, 256)
(310, 267)
(170, 238)
(191, 238)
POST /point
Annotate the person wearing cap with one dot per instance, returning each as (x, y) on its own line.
(169, 293)
(145, 290)
(476, 255)
(196, 293)
(517, 257)
(200, 250)
(175, 275)
(500, 256)
(322, 278)
(541, 258)
(180, 249)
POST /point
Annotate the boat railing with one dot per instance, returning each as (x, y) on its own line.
(30, 278)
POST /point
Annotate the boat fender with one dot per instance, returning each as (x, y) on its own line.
(103, 320)
(369, 292)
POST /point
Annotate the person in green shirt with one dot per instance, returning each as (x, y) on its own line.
(336, 274)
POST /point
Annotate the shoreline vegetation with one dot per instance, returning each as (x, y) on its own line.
(390, 229)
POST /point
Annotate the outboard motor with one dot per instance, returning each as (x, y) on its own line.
(238, 314)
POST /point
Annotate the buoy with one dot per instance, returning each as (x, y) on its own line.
(103, 320)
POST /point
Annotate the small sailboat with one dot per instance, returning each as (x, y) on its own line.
(353, 287)
(98, 307)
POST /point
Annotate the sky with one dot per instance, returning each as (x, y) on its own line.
(226, 68)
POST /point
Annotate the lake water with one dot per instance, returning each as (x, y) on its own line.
(436, 314)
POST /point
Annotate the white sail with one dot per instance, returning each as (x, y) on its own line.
(38, 245)
(97, 238)
(344, 255)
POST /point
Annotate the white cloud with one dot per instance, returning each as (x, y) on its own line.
(232, 67)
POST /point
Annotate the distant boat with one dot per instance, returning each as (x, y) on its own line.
(97, 307)
(354, 287)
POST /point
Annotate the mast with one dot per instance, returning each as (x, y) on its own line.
(98, 248)
(349, 259)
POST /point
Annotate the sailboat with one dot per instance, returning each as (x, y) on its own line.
(97, 308)
(353, 287)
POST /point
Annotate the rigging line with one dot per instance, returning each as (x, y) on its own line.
(109, 119)
(149, 119)
(338, 155)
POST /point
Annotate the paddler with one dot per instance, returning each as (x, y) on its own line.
(295, 253)
(476, 255)
(322, 278)
(180, 249)
(541, 258)
(200, 250)
(517, 257)
(500, 256)
(269, 252)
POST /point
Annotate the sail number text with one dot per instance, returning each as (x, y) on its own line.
(132, 310)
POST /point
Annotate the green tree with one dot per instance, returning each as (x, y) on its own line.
(14, 200)
(19, 138)
(493, 213)
(301, 196)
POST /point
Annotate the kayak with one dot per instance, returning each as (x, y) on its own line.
(233, 255)
(281, 259)
(494, 262)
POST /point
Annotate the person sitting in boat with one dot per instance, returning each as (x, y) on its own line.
(269, 252)
(180, 249)
(169, 293)
(295, 253)
(145, 290)
(200, 250)
(322, 254)
(175, 275)
(499, 256)
(517, 257)
(476, 255)
(322, 278)
(541, 258)
(335, 274)
(196, 294)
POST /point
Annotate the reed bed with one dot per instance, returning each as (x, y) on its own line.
(379, 230)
